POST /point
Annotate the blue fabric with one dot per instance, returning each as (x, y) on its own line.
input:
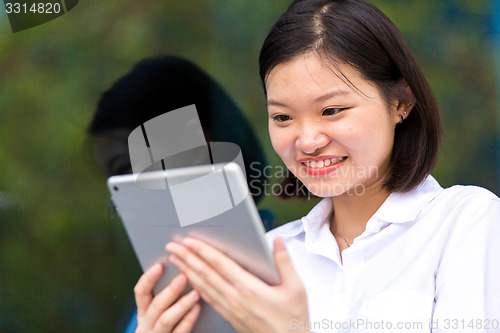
(267, 218)
(269, 222)
(132, 324)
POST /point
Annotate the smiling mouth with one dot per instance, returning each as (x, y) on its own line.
(324, 163)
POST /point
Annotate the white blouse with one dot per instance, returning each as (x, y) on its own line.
(428, 261)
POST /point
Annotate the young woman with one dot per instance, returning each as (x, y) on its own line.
(387, 249)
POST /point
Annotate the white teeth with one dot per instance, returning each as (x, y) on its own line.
(323, 163)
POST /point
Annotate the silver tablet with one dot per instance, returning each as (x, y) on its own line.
(208, 202)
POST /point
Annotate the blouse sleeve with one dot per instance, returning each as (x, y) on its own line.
(467, 295)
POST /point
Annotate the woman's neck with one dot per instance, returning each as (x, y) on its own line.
(352, 212)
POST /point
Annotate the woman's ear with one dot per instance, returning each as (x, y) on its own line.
(406, 102)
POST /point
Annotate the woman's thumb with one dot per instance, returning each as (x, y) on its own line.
(283, 261)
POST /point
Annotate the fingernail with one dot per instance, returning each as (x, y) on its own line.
(174, 260)
(156, 269)
(193, 294)
(188, 241)
(172, 247)
(279, 243)
(180, 280)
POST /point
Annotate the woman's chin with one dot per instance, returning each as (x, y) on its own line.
(327, 190)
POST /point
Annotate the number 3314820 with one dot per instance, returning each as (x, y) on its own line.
(36, 8)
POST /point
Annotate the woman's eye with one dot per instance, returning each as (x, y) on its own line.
(331, 111)
(281, 118)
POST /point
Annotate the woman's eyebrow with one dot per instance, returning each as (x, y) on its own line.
(273, 102)
(331, 94)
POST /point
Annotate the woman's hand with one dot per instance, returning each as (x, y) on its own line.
(248, 303)
(162, 313)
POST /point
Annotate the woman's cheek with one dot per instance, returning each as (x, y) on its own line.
(280, 144)
(350, 138)
(274, 141)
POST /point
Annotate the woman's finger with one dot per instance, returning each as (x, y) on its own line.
(225, 266)
(284, 263)
(143, 290)
(203, 279)
(289, 278)
(187, 323)
(213, 296)
(165, 299)
(175, 313)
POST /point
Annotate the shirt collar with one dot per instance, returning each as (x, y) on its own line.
(318, 216)
(318, 238)
(404, 207)
(397, 208)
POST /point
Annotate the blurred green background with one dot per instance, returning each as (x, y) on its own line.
(65, 263)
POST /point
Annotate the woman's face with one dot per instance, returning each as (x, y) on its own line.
(335, 138)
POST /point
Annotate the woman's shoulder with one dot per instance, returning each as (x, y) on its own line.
(468, 194)
(466, 207)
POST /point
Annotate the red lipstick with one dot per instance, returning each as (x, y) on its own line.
(322, 171)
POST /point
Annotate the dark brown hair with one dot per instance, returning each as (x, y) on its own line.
(356, 33)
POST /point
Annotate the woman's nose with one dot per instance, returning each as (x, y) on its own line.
(311, 139)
